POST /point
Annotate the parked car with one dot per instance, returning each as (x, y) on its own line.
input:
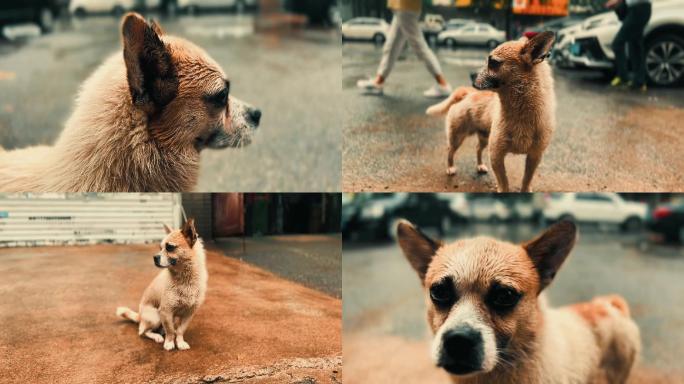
(597, 207)
(195, 6)
(667, 220)
(556, 24)
(472, 34)
(664, 43)
(458, 204)
(432, 23)
(41, 12)
(115, 7)
(560, 55)
(457, 23)
(365, 28)
(489, 209)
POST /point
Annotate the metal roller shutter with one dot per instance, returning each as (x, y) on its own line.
(85, 218)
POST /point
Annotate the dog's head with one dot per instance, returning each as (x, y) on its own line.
(482, 294)
(184, 92)
(511, 62)
(176, 248)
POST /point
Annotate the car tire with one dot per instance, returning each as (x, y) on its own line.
(46, 20)
(665, 60)
(379, 38)
(80, 12)
(632, 224)
(451, 43)
(491, 44)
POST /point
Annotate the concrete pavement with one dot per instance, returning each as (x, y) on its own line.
(59, 325)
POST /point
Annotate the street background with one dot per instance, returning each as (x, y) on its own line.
(291, 72)
(384, 314)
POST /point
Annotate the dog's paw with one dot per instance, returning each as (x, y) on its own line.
(157, 338)
(451, 171)
(182, 345)
(169, 345)
(482, 168)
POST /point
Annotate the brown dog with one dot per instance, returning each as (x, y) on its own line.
(514, 111)
(140, 122)
(172, 298)
(491, 323)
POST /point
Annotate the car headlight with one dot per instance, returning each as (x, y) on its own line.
(374, 211)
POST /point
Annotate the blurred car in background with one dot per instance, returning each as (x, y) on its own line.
(457, 23)
(609, 208)
(115, 7)
(556, 24)
(41, 12)
(664, 43)
(195, 6)
(560, 55)
(458, 204)
(489, 209)
(667, 220)
(365, 28)
(472, 34)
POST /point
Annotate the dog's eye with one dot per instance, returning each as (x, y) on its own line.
(503, 298)
(442, 293)
(493, 63)
(170, 247)
(219, 99)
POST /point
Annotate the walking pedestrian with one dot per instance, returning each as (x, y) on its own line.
(405, 28)
(635, 15)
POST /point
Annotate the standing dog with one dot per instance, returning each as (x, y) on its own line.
(492, 325)
(513, 113)
(140, 122)
(172, 298)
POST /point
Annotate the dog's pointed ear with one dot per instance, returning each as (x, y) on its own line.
(538, 47)
(549, 250)
(418, 248)
(189, 232)
(156, 27)
(152, 77)
(167, 229)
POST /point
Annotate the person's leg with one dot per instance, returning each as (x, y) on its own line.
(411, 29)
(391, 50)
(619, 48)
(637, 45)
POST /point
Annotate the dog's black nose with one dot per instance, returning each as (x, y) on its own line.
(156, 259)
(255, 115)
(463, 350)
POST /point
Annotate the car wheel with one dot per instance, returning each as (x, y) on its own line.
(80, 12)
(451, 43)
(665, 60)
(379, 38)
(491, 44)
(632, 224)
(117, 10)
(46, 20)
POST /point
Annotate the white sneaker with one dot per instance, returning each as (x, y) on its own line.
(438, 91)
(369, 87)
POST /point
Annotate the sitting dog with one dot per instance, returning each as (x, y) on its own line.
(491, 323)
(514, 111)
(140, 122)
(172, 298)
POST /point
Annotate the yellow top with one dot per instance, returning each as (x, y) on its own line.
(405, 5)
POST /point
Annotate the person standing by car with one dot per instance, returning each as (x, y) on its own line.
(635, 15)
(405, 28)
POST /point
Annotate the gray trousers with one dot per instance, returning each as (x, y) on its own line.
(405, 28)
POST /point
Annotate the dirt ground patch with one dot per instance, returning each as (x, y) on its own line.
(58, 322)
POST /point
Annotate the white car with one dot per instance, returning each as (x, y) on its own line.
(596, 207)
(564, 39)
(117, 7)
(365, 28)
(457, 23)
(194, 6)
(489, 209)
(458, 204)
(664, 43)
(472, 34)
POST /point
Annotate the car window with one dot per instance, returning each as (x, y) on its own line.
(593, 197)
(469, 29)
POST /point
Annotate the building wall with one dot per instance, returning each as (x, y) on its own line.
(199, 207)
(84, 218)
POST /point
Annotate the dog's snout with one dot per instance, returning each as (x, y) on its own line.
(255, 115)
(463, 350)
(157, 259)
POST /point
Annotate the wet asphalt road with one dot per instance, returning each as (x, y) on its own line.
(293, 77)
(384, 308)
(604, 139)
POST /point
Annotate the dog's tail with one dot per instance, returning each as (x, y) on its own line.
(442, 108)
(128, 313)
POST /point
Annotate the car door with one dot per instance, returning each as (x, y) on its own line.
(466, 34)
(595, 207)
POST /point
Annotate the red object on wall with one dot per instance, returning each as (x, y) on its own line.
(229, 214)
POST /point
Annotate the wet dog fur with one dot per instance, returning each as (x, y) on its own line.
(173, 297)
(491, 322)
(511, 108)
(140, 121)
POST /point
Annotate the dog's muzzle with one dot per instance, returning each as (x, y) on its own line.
(244, 120)
(463, 351)
(163, 262)
(484, 81)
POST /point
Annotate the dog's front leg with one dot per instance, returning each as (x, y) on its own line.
(499, 167)
(169, 330)
(531, 164)
(180, 331)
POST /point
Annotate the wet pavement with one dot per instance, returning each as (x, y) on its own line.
(604, 140)
(293, 76)
(59, 326)
(312, 260)
(386, 334)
